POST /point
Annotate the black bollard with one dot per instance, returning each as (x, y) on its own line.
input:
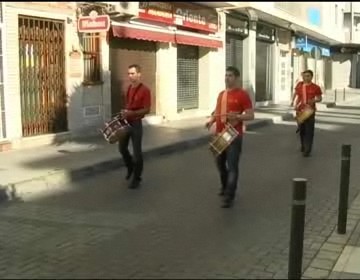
(344, 188)
(297, 228)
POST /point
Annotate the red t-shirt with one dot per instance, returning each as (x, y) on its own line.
(138, 98)
(312, 90)
(238, 101)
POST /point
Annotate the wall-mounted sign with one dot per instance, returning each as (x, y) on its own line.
(181, 14)
(157, 11)
(306, 45)
(94, 23)
(75, 64)
(265, 32)
(237, 26)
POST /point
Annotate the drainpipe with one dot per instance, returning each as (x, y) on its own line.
(351, 22)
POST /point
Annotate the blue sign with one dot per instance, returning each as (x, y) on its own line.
(325, 51)
(314, 16)
(306, 45)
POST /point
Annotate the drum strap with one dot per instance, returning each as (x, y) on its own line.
(223, 107)
(133, 96)
(304, 94)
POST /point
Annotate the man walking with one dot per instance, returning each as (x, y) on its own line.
(138, 103)
(306, 95)
(233, 106)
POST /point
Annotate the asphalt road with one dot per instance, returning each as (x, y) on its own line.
(173, 227)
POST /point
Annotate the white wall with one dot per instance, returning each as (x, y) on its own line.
(166, 80)
(80, 97)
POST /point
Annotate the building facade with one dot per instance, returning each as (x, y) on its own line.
(180, 48)
(66, 83)
(55, 87)
(283, 39)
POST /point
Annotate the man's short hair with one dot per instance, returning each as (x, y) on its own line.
(309, 72)
(233, 70)
(136, 66)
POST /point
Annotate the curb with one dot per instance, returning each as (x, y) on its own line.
(55, 181)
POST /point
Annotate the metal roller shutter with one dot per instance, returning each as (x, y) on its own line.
(187, 77)
(234, 53)
(263, 71)
(124, 52)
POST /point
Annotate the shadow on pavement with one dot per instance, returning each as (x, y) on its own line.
(173, 227)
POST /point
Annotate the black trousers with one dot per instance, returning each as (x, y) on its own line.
(135, 161)
(228, 166)
(306, 131)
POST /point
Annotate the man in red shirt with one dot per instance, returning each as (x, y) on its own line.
(233, 106)
(138, 103)
(306, 94)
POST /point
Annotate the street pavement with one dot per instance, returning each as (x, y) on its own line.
(173, 227)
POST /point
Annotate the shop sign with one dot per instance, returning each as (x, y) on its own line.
(181, 14)
(265, 32)
(93, 23)
(237, 26)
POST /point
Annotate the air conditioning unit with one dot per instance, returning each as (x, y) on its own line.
(122, 10)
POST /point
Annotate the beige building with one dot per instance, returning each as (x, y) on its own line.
(56, 82)
(64, 83)
(53, 88)
(273, 42)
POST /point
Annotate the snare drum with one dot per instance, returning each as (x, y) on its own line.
(220, 142)
(116, 129)
(304, 114)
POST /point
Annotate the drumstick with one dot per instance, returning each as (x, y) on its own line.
(220, 115)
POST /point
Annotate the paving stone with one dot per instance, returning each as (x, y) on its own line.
(172, 227)
(332, 247)
(323, 264)
(316, 273)
(327, 255)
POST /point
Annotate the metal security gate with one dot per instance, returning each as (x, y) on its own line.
(187, 77)
(124, 52)
(42, 75)
(234, 53)
(263, 71)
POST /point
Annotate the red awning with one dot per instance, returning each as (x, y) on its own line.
(142, 34)
(197, 41)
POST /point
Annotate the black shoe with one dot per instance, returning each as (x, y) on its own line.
(129, 173)
(302, 149)
(134, 184)
(306, 154)
(228, 203)
(222, 192)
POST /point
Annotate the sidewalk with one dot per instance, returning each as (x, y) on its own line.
(34, 172)
(339, 256)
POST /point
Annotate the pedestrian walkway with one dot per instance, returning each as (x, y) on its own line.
(339, 256)
(36, 170)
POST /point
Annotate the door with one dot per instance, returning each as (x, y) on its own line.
(263, 71)
(234, 53)
(187, 77)
(42, 75)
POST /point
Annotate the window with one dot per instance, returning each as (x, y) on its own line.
(92, 58)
